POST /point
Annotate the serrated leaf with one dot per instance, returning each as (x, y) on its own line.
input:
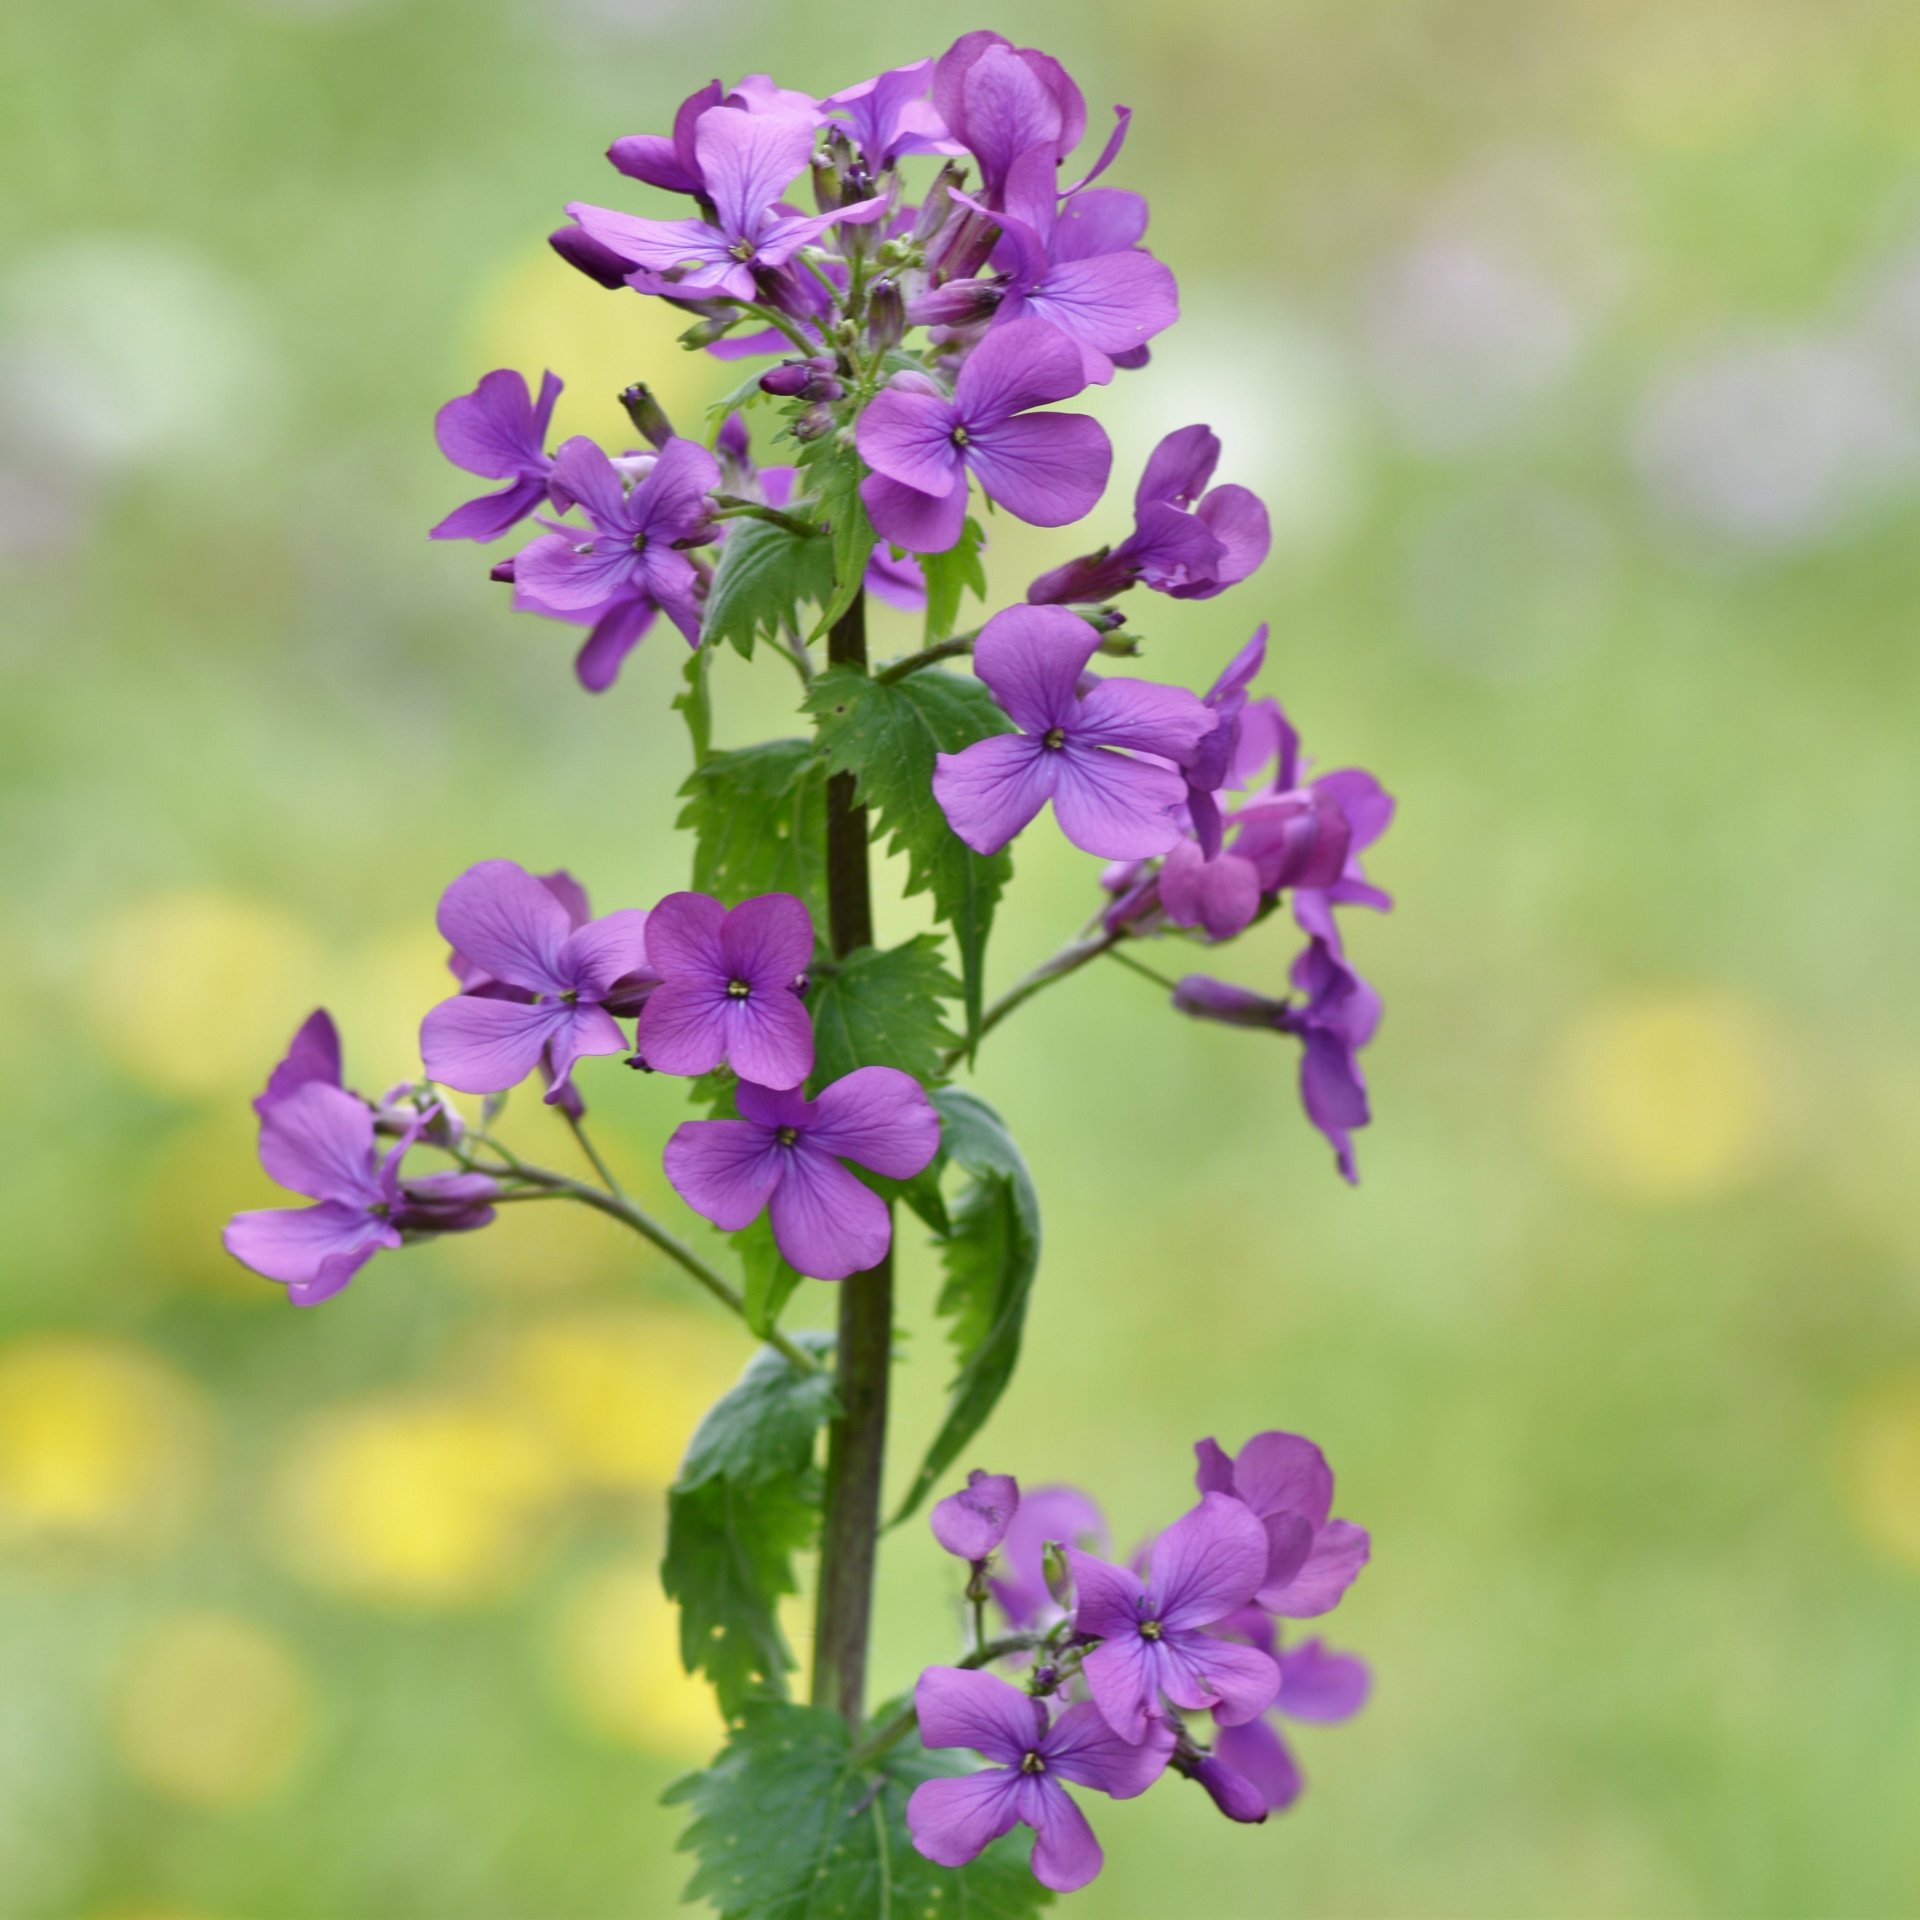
(880, 1007)
(759, 820)
(766, 573)
(991, 1256)
(887, 734)
(746, 1502)
(834, 473)
(786, 1827)
(950, 574)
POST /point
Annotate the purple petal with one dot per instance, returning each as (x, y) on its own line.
(1001, 107)
(506, 923)
(952, 1820)
(1065, 1853)
(589, 1032)
(1024, 365)
(919, 522)
(652, 157)
(312, 1054)
(683, 936)
(1047, 469)
(486, 1046)
(879, 1117)
(972, 1522)
(725, 1170)
(1114, 301)
(1123, 1677)
(1284, 1473)
(1214, 1471)
(1258, 1754)
(615, 635)
(1144, 716)
(605, 951)
(671, 502)
(1114, 806)
(959, 1707)
(294, 1244)
(1340, 1550)
(1031, 659)
(663, 245)
(1107, 220)
(769, 1037)
(1209, 1562)
(318, 1140)
(908, 437)
(1367, 805)
(746, 161)
(1220, 896)
(583, 473)
(488, 517)
(1238, 518)
(1178, 469)
(684, 1026)
(1239, 1683)
(1316, 1684)
(1081, 1747)
(825, 1223)
(1062, 1514)
(990, 790)
(773, 1107)
(1107, 1600)
(767, 941)
(581, 251)
(1169, 548)
(1232, 1792)
(1290, 1538)
(494, 430)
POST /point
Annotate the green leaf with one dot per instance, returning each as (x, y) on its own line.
(991, 1257)
(746, 1501)
(786, 1827)
(695, 701)
(766, 573)
(768, 1282)
(834, 472)
(948, 575)
(887, 733)
(759, 820)
(880, 1007)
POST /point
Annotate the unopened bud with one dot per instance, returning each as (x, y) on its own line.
(886, 314)
(815, 379)
(937, 208)
(815, 424)
(1059, 1579)
(1122, 646)
(708, 331)
(648, 416)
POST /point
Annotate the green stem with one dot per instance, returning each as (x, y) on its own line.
(904, 1721)
(927, 657)
(1070, 959)
(774, 318)
(732, 507)
(593, 1157)
(1143, 970)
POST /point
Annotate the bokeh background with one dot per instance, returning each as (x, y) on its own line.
(1577, 350)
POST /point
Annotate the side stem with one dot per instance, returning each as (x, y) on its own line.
(857, 1441)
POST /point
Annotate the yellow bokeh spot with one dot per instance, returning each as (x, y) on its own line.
(619, 1667)
(99, 1443)
(196, 991)
(419, 1502)
(211, 1711)
(1662, 1097)
(1880, 1465)
(199, 1175)
(544, 315)
(550, 1246)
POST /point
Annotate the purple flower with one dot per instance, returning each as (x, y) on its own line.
(1251, 1770)
(502, 920)
(891, 117)
(784, 1154)
(1188, 540)
(972, 1522)
(1153, 1633)
(1062, 1516)
(1081, 751)
(1284, 1481)
(498, 431)
(673, 162)
(730, 988)
(1044, 468)
(319, 1140)
(951, 1820)
(632, 564)
(999, 101)
(745, 162)
(313, 1054)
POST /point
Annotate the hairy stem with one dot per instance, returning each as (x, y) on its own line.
(857, 1440)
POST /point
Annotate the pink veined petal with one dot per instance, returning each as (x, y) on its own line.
(492, 514)
(1031, 659)
(959, 1707)
(1106, 1599)
(492, 430)
(671, 580)
(773, 1106)
(909, 437)
(1112, 805)
(1238, 518)
(769, 1037)
(663, 245)
(1238, 1682)
(747, 159)
(1339, 1551)
(1006, 108)
(479, 1045)
(1081, 1747)
(671, 502)
(1065, 1853)
(318, 1140)
(605, 950)
(1114, 301)
(615, 635)
(588, 1033)
(919, 522)
(1220, 896)
(683, 1026)
(563, 576)
(781, 239)
(582, 472)
(952, 1820)
(1104, 220)
(880, 1117)
(1208, 1563)
(1284, 1473)
(725, 1170)
(767, 939)
(992, 789)
(1013, 368)
(506, 923)
(293, 1244)
(1047, 469)
(825, 1223)
(1121, 1674)
(683, 935)
(1145, 717)
(1318, 1684)
(312, 1054)
(1257, 1753)
(1178, 469)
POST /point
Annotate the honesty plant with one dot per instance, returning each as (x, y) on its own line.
(923, 337)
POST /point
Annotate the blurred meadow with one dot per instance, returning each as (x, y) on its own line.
(1576, 348)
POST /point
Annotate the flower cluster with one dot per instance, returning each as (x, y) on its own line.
(1116, 1656)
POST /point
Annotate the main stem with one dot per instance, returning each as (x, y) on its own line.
(857, 1441)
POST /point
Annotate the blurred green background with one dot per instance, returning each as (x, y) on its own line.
(1577, 350)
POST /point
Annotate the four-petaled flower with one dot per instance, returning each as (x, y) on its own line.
(783, 1156)
(1153, 1633)
(499, 918)
(731, 986)
(1044, 468)
(499, 432)
(952, 1820)
(1081, 751)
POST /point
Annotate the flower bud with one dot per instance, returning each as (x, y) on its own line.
(815, 424)
(1233, 1793)
(648, 416)
(1054, 1569)
(578, 249)
(815, 379)
(937, 208)
(886, 314)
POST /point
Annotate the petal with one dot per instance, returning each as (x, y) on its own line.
(1221, 896)
(1238, 518)
(566, 576)
(661, 245)
(604, 951)
(505, 922)
(773, 1107)
(919, 522)
(683, 936)
(1367, 805)
(615, 635)
(583, 473)
(1170, 548)
(1178, 469)
(1209, 1562)
(1284, 1473)
(1045, 468)
(334, 1276)
(1065, 1853)
(1239, 1683)
(990, 790)
(1024, 365)
(960, 1707)
(769, 1037)
(971, 1523)
(909, 437)
(1115, 301)
(1006, 107)
(1061, 1514)
(587, 1033)
(1235, 1795)
(1031, 659)
(671, 502)
(1081, 1747)
(1316, 1684)
(951, 1820)
(747, 159)
(767, 941)
(651, 157)
(492, 430)
(312, 1054)
(1340, 1550)
(1107, 1600)
(880, 1117)
(488, 517)
(825, 1223)
(318, 1140)
(486, 1046)
(1213, 1472)
(1256, 1752)
(1145, 716)
(725, 1170)
(1123, 1677)
(1105, 220)
(1112, 805)
(684, 1027)
(293, 1244)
